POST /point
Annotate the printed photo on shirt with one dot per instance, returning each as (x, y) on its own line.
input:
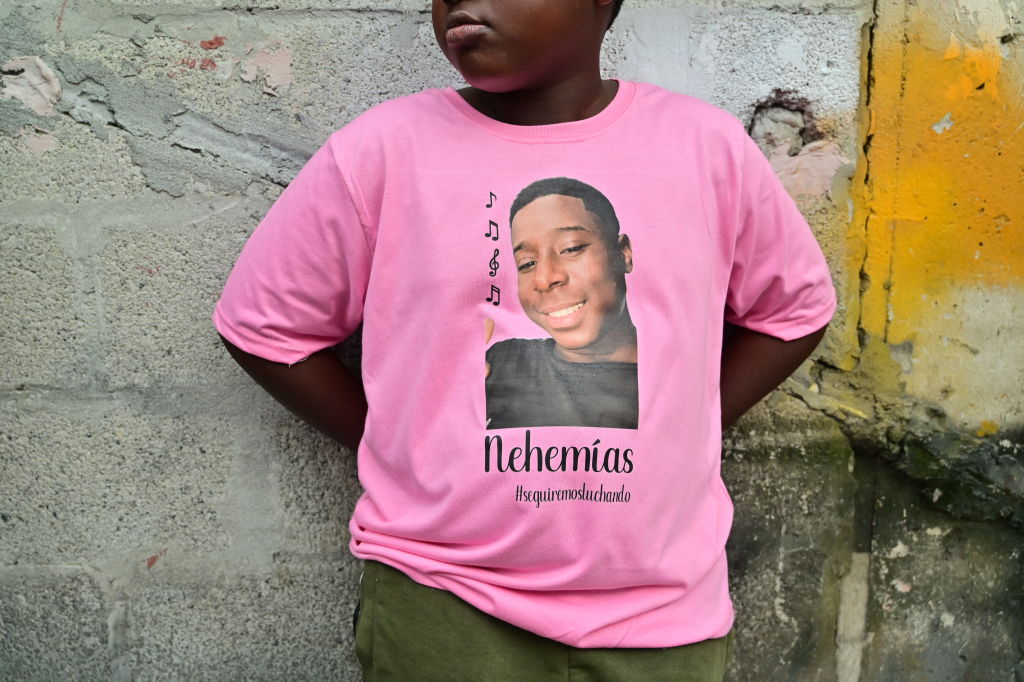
(572, 264)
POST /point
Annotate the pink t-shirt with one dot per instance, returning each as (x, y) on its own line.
(581, 500)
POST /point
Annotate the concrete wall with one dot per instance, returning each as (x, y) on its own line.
(160, 518)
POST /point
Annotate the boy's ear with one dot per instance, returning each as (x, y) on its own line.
(626, 249)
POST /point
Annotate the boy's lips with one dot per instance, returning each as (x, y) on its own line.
(565, 316)
(566, 311)
(462, 27)
(463, 33)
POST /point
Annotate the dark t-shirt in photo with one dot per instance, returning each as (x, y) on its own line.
(529, 385)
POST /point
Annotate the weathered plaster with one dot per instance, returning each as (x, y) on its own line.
(36, 141)
(30, 81)
(273, 64)
(942, 269)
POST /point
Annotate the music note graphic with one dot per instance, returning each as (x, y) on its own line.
(495, 297)
(494, 263)
(491, 202)
(492, 227)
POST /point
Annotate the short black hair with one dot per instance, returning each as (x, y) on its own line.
(594, 202)
(615, 12)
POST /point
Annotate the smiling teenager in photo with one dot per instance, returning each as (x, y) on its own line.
(572, 265)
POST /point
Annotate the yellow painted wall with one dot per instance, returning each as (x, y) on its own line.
(940, 208)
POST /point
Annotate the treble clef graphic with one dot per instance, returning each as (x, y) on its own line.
(494, 263)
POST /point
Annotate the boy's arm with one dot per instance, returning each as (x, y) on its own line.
(754, 364)
(320, 389)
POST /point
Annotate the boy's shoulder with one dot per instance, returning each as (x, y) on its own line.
(689, 110)
(398, 112)
(392, 127)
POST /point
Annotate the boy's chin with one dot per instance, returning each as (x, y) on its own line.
(490, 88)
(495, 84)
(570, 343)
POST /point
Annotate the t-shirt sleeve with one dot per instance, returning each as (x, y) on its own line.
(298, 285)
(779, 283)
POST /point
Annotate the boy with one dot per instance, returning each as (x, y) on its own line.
(533, 552)
(572, 264)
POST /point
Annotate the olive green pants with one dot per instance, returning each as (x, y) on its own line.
(410, 633)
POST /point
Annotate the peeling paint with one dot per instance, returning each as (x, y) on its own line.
(784, 128)
(939, 200)
(937, 205)
(37, 142)
(899, 551)
(902, 587)
(943, 125)
(213, 43)
(941, 271)
(30, 81)
(274, 64)
(988, 17)
(953, 49)
(987, 428)
(809, 174)
(979, 72)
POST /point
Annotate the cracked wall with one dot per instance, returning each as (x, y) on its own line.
(941, 278)
(160, 517)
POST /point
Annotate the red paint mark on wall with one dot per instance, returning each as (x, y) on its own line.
(213, 43)
(205, 64)
(156, 557)
(148, 270)
(60, 16)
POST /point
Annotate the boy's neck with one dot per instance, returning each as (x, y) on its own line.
(571, 100)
